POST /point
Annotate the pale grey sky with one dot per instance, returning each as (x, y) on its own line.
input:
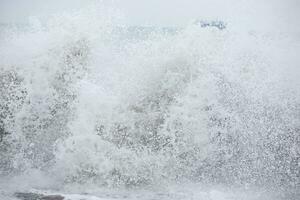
(167, 12)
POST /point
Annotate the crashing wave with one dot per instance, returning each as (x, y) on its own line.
(84, 104)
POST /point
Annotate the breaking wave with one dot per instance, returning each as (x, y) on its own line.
(86, 100)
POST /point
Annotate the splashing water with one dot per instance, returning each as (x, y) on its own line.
(85, 101)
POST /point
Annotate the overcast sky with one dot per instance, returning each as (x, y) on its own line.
(166, 12)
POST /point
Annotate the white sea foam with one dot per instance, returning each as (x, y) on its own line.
(87, 103)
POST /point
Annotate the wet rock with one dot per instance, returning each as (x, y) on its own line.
(34, 196)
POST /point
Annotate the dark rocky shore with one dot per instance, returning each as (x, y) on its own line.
(34, 196)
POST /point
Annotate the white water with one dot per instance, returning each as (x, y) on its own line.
(91, 107)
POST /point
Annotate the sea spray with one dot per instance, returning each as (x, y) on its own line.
(86, 103)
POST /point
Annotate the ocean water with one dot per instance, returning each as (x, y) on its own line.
(94, 109)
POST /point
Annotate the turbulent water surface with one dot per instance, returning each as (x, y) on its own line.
(89, 106)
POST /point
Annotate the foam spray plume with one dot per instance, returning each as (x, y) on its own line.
(85, 102)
